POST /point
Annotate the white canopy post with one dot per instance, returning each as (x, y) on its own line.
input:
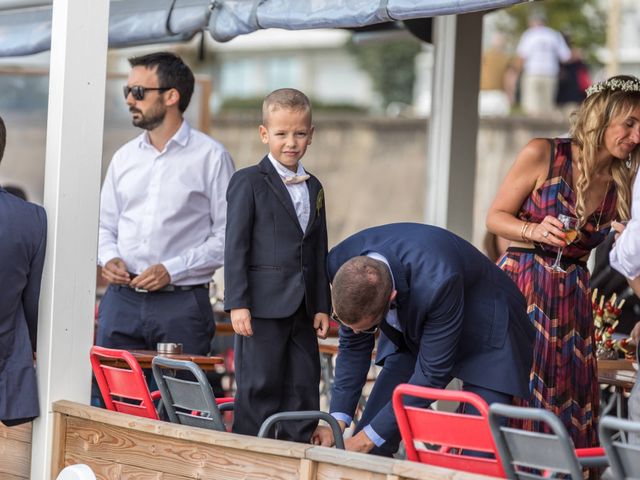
(453, 125)
(71, 198)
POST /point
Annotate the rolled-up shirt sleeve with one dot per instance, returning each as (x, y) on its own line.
(625, 254)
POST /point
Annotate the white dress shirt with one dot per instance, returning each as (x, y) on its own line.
(625, 254)
(167, 207)
(299, 192)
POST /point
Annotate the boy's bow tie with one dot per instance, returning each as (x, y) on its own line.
(295, 179)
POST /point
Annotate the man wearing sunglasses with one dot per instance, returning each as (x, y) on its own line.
(444, 311)
(162, 217)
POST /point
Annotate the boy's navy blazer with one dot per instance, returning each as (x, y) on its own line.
(23, 230)
(460, 315)
(270, 263)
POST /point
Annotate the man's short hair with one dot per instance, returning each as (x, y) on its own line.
(288, 98)
(172, 73)
(3, 138)
(361, 289)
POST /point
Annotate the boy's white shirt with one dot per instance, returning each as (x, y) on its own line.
(299, 192)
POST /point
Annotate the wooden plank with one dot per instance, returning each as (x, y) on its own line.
(365, 461)
(8, 476)
(103, 469)
(21, 433)
(182, 432)
(415, 470)
(106, 470)
(58, 444)
(327, 471)
(383, 465)
(308, 470)
(174, 456)
(15, 458)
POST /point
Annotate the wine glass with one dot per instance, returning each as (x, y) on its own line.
(570, 225)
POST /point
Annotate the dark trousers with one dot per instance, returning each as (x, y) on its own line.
(131, 320)
(398, 368)
(277, 370)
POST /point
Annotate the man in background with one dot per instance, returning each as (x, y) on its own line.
(541, 50)
(162, 217)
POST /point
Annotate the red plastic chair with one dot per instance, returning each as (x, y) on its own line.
(123, 390)
(453, 432)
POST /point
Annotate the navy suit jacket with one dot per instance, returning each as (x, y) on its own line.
(270, 264)
(461, 316)
(23, 229)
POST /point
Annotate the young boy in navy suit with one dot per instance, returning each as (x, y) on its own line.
(276, 286)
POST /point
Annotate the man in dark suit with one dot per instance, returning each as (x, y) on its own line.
(23, 229)
(444, 310)
(276, 286)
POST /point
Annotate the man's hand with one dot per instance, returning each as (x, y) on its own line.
(323, 436)
(321, 324)
(618, 227)
(153, 278)
(115, 271)
(359, 443)
(241, 321)
(635, 333)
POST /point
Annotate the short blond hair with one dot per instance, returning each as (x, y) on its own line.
(288, 98)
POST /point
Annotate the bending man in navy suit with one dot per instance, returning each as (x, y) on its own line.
(444, 310)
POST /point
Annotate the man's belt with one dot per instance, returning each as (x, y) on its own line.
(170, 288)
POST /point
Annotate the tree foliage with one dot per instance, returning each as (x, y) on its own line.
(391, 67)
(584, 21)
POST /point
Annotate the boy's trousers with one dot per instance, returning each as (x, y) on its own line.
(277, 370)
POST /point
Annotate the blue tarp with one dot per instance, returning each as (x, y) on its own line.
(24, 31)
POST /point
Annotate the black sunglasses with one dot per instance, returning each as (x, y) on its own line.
(138, 91)
(371, 330)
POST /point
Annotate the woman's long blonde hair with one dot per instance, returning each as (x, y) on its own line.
(590, 123)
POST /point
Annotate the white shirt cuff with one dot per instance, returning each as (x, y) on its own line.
(176, 267)
(107, 254)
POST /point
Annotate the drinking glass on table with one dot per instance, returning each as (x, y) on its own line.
(570, 225)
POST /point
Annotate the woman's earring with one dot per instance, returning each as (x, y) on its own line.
(628, 162)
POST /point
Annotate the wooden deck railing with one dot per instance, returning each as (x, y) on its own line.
(118, 446)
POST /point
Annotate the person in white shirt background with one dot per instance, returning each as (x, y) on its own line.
(540, 51)
(625, 254)
(162, 217)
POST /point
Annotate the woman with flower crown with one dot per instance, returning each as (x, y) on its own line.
(587, 177)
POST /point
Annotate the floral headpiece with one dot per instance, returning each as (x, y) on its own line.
(631, 84)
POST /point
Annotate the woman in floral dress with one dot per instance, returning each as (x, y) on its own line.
(587, 177)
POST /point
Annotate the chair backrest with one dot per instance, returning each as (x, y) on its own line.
(536, 452)
(624, 456)
(272, 420)
(456, 434)
(121, 382)
(187, 397)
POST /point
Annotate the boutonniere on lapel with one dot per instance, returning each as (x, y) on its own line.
(319, 201)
